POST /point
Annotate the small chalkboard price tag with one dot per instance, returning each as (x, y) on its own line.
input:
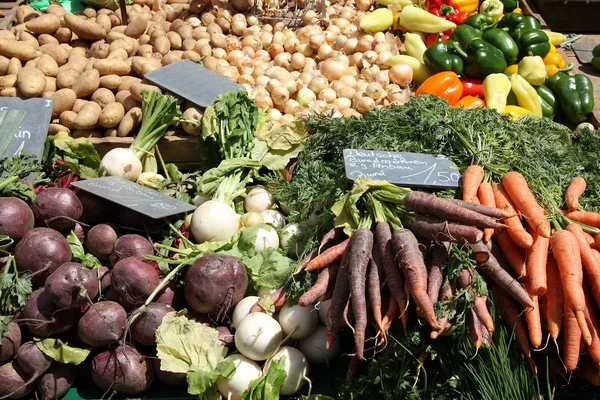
(134, 196)
(34, 128)
(405, 169)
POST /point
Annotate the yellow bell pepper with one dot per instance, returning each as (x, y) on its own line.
(492, 8)
(516, 112)
(467, 6)
(517, 11)
(556, 38)
(512, 69)
(553, 62)
(378, 21)
(527, 97)
(533, 69)
(414, 45)
(496, 88)
(420, 70)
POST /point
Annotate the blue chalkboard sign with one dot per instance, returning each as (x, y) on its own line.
(405, 169)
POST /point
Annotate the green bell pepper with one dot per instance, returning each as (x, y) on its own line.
(442, 56)
(548, 101)
(514, 21)
(464, 34)
(509, 5)
(480, 21)
(482, 58)
(532, 42)
(501, 39)
(574, 94)
(596, 59)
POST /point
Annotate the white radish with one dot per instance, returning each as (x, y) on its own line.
(214, 221)
(266, 238)
(274, 218)
(242, 309)
(258, 199)
(296, 368)
(246, 371)
(288, 239)
(314, 348)
(122, 162)
(298, 322)
(258, 336)
(323, 309)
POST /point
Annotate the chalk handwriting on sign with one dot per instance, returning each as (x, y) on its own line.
(134, 196)
(406, 169)
(34, 128)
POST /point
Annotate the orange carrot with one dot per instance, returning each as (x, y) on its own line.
(327, 257)
(594, 347)
(511, 252)
(590, 239)
(585, 217)
(515, 228)
(391, 313)
(475, 327)
(486, 197)
(572, 340)
(525, 202)
(533, 320)
(597, 241)
(574, 191)
(326, 279)
(591, 266)
(536, 265)
(472, 178)
(553, 299)
(565, 249)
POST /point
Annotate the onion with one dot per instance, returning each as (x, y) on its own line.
(350, 45)
(318, 83)
(266, 39)
(305, 77)
(205, 51)
(292, 107)
(371, 72)
(234, 56)
(231, 73)
(348, 80)
(249, 51)
(280, 95)
(365, 105)
(370, 56)
(328, 95)
(316, 41)
(282, 59)
(383, 78)
(364, 5)
(374, 90)
(246, 79)
(274, 49)
(279, 38)
(305, 97)
(253, 21)
(210, 63)
(274, 114)
(290, 44)
(347, 92)
(311, 64)
(337, 85)
(350, 112)
(342, 102)
(253, 42)
(304, 49)
(262, 80)
(356, 60)
(339, 42)
(219, 53)
(273, 83)
(310, 14)
(401, 74)
(238, 27)
(385, 46)
(365, 43)
(264, 101)
(333, 70)
(324, 51)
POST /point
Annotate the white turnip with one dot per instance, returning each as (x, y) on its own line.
(314, 348)
(323, 309)
(13, 381)
(258, 336)
(123, 370)
(266, 238)
(102, 324)
(215, 283)
(298, 322)
(56, 382)
(258, 199)
(252, 219)
(100, 240)
(150, 318)
(122, 162)
(42, 251)
(72, 285)
(43, 318)
(242, 309)
(132, 280)
(246, 371)
(295, 366)
(10, 342)
(273, 217)
(131, 245)
(57, 208)
(16, 218)
(214, 221)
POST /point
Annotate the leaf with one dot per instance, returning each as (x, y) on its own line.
(200, 382)
(4, 321)
(62, 352)
(269, 269)
(267, 387)
(78, 252)
(282, 137)
(15, 288)
(266, 302)
(274, 160)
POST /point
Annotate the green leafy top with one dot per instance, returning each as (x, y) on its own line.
(62, 352)
(15, 168)
(15, 288)
(79, 254)
(75, 155)
(267, 387)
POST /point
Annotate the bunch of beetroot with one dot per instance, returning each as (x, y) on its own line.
(113, 309)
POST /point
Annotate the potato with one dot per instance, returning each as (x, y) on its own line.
(194, 114)
(31, 82)
(111, 82)
(24, 51)
(56, 51)
(50, 85)
(136, 28)
(25, 36)
(188, 44)
(112, 66)
(114, 35)
(143, 65)
(47, 65)
(186, 31)
(120, 44)
(64, 100)
(99, 50)
(127, 100)
(4, 63)
(56, 9)
(47, 39)
(14, 66)
(115, 20)
(87, 117)
(87, 83)
(137, 88)
(78, 54)
(175, 40)
(145, 51)
(127, 81)
(104, 21)
(111, 132)
(63, 35)
(119, 54)
(144, 39)
(111, 115)
(89, 64)
(31, 63)
(66, 78)
(53, 129)
(8, 81)
(85, 29)
(171, 57)
(190, 55)
(162, 45)
(89, 12)
(67, 117)
(103, 97)
(22, 12)
(129, 122)
(9, 92)
(47, 23)
(79, 103)
(4, 34)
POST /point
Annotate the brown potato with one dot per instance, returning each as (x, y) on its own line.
(50, 85)
(53, 129)
(115, 20)
(112, 66)
(47, 23)
(143, 65)
(22, 12)
(64, 100)
(85, 29)
(162, 45)
(87, 117)
(78, 54)
(4, 34)
(114, 35)
(144, 39)
(9, 92)
(137, 88)
(136, 28)
(127, 81)
(56, 51)
(194, 114)
(63, 35)
(31, 82)
(47, 65)
(99, 50)
(111, 82)
(111, 132)
(24, 51)
(89, 64)
(111, 115)
(56, 9)
(89, 12)
(175, 40)
(66, 78)
(104, 21)
(120, 44)
(190, 55)
(87, 83)
(186, 31)
(172, 57)
(8, 81)
(79, 103)
(129, 122)
(188, 44)
(14, 66)
(145, 51)
(103, 97)
(119, 54)
(4, 62)
(67, 117)
(46, 38)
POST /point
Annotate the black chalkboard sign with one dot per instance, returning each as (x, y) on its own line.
(406, 169)
(134, 196)
(34, 128)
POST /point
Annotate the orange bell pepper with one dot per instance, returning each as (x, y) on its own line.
(555, 63)
(468, 102)
(443, 84)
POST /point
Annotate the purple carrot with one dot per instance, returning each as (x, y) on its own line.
(438, 230)
(320, 286)
(435, 278)
(492, 212)
(339, 300)
(374, 279)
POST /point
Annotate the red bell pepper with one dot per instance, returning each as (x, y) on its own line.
(436, 37)
(472, 87)
(447, 9)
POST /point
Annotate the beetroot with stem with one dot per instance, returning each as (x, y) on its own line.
(172, 295)
(32, 360)
(41, 251)
(10, 342)
(131, 245)
(16, 218)
(145, 326)
(123, 370)
(13, 381)
(133, 280)
(43, 318)
(56, 382)
(102, 324)
(102, 274)
(72, 285)
(215, 283)
(167, 377)
(57, 208)
(101, 240)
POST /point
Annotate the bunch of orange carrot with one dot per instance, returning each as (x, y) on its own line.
(556, 259)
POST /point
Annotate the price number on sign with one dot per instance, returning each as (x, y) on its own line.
(163, 206)
(445, 176)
